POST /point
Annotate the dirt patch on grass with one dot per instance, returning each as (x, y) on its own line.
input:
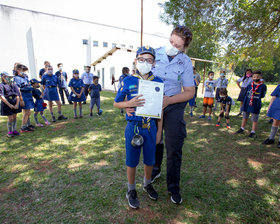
(45, 166)
(81, 150)
(5, 190)
(60, 125)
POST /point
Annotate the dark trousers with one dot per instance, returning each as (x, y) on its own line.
(195, 95)
(86, 91)
(174, 128)
(65, 90)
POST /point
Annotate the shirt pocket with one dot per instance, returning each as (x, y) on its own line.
(177, 73)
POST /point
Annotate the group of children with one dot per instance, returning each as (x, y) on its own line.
(17, 94)
(252, 90)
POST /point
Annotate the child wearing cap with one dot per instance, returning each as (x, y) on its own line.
(252, 103)
(50, 84)
(95, 90)
(208, 99)
(9, 96)
(77, 94)
(226, 102)
(136, 125)
(39, 103)
(22, 81)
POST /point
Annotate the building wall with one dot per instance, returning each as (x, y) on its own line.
(60, 39)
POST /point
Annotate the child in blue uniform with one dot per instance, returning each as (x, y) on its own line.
(50, 84)
(226, 102)
(253, 102)
(77, 94)
(138, 125)
(39, 103)
(274, 113)
(21, 79)
(95, 90)
(9, 96)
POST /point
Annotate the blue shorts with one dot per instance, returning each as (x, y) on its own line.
(149, 146)
(94, 101)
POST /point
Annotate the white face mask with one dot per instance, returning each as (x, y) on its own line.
(144, 68)
(60, 68)
(211, 76)
(170, 50)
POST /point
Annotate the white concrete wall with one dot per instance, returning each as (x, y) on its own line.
(59, 39)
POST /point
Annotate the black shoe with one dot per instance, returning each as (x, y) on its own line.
(268, 142)
(61, 117)
(252, 135)
(155, 175)
(151, 192)
(84, 102)
(91, 114)
(176, 198)
(31, 127)
(132, 199)
(81, 116)
(239, 131)
(53, 119)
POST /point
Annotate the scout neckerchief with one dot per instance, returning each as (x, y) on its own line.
(145, 120)
(253, 92)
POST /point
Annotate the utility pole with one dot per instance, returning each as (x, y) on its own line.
(141, 44)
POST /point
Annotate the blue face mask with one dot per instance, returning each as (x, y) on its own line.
(222, 74)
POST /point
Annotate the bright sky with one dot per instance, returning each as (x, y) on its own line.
(121, 13)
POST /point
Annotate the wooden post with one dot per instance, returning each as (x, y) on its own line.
(141, 43)
(204, 76)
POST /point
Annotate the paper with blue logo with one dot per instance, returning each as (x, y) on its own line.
(153, 94)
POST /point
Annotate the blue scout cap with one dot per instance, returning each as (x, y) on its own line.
(2, 74)
(33, 81)
(146, 50)
(75, 71)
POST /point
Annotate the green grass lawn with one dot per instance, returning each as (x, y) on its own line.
(74, 172)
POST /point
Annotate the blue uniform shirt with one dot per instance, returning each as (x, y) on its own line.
(257, 102)
(87, 78)
(276, 92)
(23, 83)
(7, 90)
(129, 89)
(49, 80)
(76, 84)
(36, 93)
(95, 90)
(175, 74)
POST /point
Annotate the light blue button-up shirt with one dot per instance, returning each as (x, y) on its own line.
(175, 74)
(87, 78)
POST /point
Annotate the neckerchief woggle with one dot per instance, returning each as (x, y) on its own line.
(253, 92)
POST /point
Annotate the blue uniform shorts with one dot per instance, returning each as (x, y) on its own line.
(149, 146)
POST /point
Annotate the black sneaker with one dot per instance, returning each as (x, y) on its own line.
(26, 129)
(252, 135)
(84, 102)
(91, 114)
(132, 199)
(176, 198)
(151, 192)
(53, 119)
(61, 117)
(31, 127)
(268, 142)
(155, 176)
(239, 131)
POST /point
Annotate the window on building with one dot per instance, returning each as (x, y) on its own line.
(85, 41)
(95, 43)
(112, 72)
(98, 73)
(105, 44)
(114, 45)
(123, 45)
(130, 47)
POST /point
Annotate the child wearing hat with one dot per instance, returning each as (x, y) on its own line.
(95, 90)
(136, 125)
(22, 81)
(39, 103)
(252, 103)
(9, 96)
(77, 94)
(50, 84)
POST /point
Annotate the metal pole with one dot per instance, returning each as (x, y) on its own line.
(204, 76)
(141, 44)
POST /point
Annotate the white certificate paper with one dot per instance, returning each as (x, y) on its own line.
(153, 94)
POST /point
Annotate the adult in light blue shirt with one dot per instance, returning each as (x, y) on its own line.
(175, 69)
(87, 78)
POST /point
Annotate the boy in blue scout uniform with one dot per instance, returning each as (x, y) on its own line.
(77, 92)
(21, 79)
(9, 96)
(62, 83)
(138, 126)
(95, 90)
(39, 103)
(50, 83)
(252, 103)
